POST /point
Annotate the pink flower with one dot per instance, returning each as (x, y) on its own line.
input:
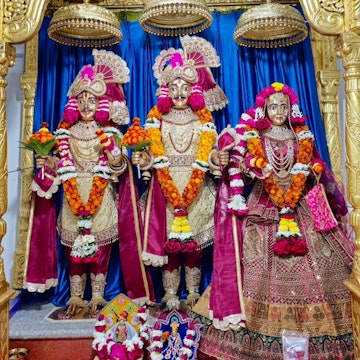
(290, 246)
(88, 71)
(173, 247)
(262, 124)
(190, 246)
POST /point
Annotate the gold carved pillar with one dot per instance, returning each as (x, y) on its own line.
(20, 22)
(328, 81)
(28, 85)
(348, 48)
(7, 59)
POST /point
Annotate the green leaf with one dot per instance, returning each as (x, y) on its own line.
(139, 146)
(38, 148)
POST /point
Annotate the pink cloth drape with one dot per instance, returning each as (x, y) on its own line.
(41, 270)
(227, 268)
(155, 234)
(136, 276)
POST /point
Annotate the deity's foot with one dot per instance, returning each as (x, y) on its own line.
(192, 298)
(96, 304)
(171, 301)
(74, 305)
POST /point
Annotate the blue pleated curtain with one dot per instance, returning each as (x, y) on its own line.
(242, 74)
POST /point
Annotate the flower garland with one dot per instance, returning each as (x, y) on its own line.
(106, 348)
(232, 140)
(290, 241)
(181, 238)
(85, 248)
(158, 338)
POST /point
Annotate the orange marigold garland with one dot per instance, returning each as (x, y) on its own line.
(85, 248)
(181, 238)
(290, 241)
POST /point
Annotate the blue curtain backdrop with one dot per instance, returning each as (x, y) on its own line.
(242, 74)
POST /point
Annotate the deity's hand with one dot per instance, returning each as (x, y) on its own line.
(141, 158)
(243, 167)
(224, 158)
(220, 158)
(47, 160)
(114, 156)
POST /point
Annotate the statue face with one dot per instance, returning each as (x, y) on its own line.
(179, 91)
(277, 107)
(87, 104)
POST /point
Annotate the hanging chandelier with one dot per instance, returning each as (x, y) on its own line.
(85, 24)
(270, 25)
(175, 17)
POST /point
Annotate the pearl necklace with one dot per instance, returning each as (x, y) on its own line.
(280, 157)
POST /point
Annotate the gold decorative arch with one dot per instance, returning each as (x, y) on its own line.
(335, 32)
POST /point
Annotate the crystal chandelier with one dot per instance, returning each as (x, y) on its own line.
(270, 25)
(175, 17)
(85, 24)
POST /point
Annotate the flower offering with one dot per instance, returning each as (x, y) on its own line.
(136, 138)
(41, 142)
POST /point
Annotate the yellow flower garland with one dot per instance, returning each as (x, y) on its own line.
(170, 191)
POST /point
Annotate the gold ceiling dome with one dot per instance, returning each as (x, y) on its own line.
(270, 25)
(175, 17)
(85, 24)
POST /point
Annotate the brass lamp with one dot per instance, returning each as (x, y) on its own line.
(85, 24)
(175, 17)
(270, 25)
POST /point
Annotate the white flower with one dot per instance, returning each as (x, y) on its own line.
(237, 202)
(151, 123)
(237, 183)
(156, 356)
(84, 246)
(181, 236)
(111, 131)
(287, 234)
(300, 168)
(305, 134)
(286, 210)
(84, 223)
(62, 133)
(259, 113)
(161, 162)
(102, 171)
(209, 126)
(201, 165)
